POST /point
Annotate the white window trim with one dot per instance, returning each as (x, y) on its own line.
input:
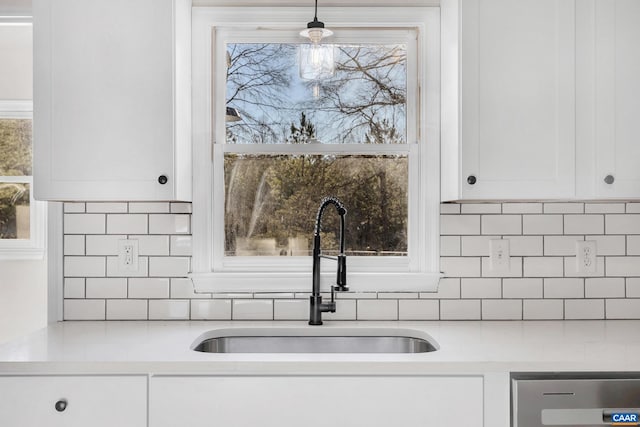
(422, 272)
(34, 247)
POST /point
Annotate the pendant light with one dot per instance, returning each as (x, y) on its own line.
(316, 60)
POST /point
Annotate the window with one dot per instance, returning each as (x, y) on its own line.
(362, 135)
(21, 218)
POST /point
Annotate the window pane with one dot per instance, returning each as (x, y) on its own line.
(15, 147)
(364, 101)
(14, 210)
(272, 200)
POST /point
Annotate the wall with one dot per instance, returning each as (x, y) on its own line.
(23, 284)
(542, 282)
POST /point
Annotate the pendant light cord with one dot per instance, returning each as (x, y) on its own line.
(315, 13)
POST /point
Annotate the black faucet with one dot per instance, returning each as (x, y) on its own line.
(317, 307)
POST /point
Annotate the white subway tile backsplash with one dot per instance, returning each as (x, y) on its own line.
(609, 245)
(564, 288)
(214, 309)
(252, 309)
(100, 244)
(100, 287)
(623, 266)
(622, 224)
(84, 223)
(633, 245)
(501, 309)
(149, 207)
(601, 287)
(460, 309)
(182, 288)
(633, 287)
(583, 309)
(168, 266)
(377, 309)
(551, 208)
(547, 309)
(476, 245)
(633, 208)
(169, 224)
(83, 309)
(542, 224)
(74, 244)
(146, 287)
(459, 224)
(522, 208)
(182, 208)
(448, 288)
(152, 245)
(584, 224)
(571, 268)
(102, 207)
(543, 267)
(450, 208)
(114, 270)
(169, 309)
(274, 295)
(522, 288)
(481, 208)
(515, 268)
(501, 224)
(481, 288)
(180, 245)
(127, 309)
(290, 309)
(84, 266)
(74, 287)
(561, 245)
(449, 245)
(418, 310)
(126, 224)
(460, 267)
(525, 245)
(623, 308)
(398, 295)
(604, 208)
(72, 207)
(345, 310)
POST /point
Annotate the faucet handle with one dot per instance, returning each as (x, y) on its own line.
(341, 280)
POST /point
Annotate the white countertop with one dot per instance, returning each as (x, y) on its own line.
(465, 348)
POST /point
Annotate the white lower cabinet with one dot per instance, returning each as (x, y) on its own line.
(73, 401)
(315, 401)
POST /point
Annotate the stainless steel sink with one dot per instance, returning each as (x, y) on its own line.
(299, 340)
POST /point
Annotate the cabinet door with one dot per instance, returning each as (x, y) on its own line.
(91, 401)
(110, 99)
(293, 401)
(518, 99)
(612, 118)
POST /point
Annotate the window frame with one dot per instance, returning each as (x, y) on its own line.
(34, 247)
(212, 272)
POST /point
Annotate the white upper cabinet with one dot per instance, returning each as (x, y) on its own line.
(608, 104)
(517, 115)
(112, 99)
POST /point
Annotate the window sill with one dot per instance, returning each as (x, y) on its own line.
(268, 281)
(20, 254)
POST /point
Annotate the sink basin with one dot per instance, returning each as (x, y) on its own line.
(304, 340)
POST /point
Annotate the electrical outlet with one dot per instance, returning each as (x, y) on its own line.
(586, 252)
(128, 255)
(500, 257)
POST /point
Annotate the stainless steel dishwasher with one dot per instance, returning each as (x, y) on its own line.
(575, 399)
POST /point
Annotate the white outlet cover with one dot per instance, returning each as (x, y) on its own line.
(127, 255)
(499, 255)
(586, 256)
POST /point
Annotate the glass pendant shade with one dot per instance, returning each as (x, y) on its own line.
(316, 61)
